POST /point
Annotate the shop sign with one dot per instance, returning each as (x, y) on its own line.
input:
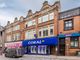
(13, 44)
(35, 42)
(67, 35)
(41, 41)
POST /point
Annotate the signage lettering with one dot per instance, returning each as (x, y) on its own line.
(35, 42)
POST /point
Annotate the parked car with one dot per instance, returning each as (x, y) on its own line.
(14, 52)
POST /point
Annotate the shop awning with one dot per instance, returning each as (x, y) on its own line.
(69, 35)
(61, 36)
(41, 41)
(75, 34)
(13, 44)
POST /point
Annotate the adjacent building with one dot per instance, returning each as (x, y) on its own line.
(47, 31)
(2, 39)
(69, 31)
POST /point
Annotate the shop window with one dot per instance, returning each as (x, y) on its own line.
(42, 49)
(68, 24)
(25, 50)
(74, 42)
(39, 49)
(33, 49)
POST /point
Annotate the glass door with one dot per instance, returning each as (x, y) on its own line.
(42, 49)
(33, 49)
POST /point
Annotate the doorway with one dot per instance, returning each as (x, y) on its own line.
(61, 47)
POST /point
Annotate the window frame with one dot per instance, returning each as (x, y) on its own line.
(71, 28)
(71, 40)
(51, 16)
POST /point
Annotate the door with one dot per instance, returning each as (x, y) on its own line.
(61, 46)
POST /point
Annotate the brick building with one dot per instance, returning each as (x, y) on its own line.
(47, 31)
(69, 31)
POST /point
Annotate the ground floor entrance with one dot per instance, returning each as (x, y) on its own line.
(69, 44)
(61, 47)
(41, 46)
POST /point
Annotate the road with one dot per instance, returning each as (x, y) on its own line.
(4, 58)
(39, 57)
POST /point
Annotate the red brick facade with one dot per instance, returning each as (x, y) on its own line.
(57, 22)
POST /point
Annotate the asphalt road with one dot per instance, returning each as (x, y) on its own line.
(38, 57)
(5, 58)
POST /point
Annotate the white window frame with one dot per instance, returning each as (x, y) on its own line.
(51, 27)
(51, 16)
(45, 18)
(40, 20)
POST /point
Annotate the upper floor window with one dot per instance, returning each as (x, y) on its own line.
(16, 36)
(68, 24)
(30, 34)
(9, 38)
(51, 16)
(45, 18)
(39, 33)
(51, 30)
(45, 31)
(40, 20)
(17, 27)
(8, 30)
(33, 22)
(30, 23)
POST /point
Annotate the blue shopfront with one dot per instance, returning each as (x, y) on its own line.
(40, 45)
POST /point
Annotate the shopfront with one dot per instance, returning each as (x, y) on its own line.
(41, 46)
(13, 44)
(14, 49)
(69, 43)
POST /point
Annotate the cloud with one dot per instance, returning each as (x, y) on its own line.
(9, 9)
(3, 5)
(9, 15)
(3, 21)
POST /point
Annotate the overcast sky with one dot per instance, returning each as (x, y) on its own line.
(9, 9)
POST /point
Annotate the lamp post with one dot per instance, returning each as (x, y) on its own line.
(35, 35)
(58, 27)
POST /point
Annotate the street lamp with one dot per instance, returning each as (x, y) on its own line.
(35, 35)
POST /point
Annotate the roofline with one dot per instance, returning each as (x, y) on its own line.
(70, 10)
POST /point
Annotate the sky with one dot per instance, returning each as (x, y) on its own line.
(9, 9)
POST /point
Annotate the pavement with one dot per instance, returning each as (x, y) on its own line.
(41, 57)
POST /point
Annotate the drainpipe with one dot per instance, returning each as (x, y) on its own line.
(58, 17)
